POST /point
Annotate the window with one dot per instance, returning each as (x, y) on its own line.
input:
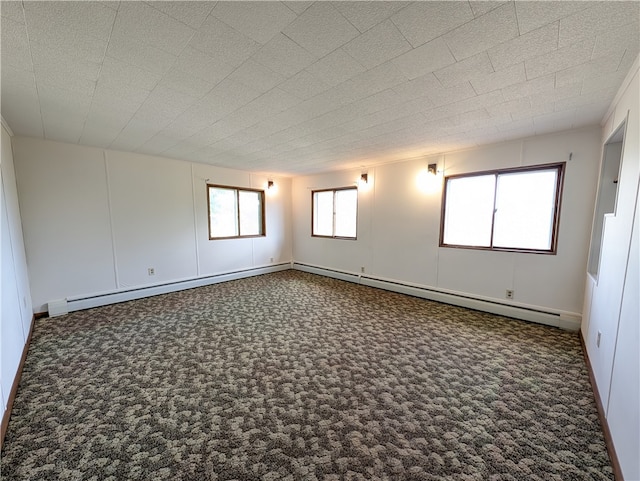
(334, 213)
(235, 212)
(509, 210)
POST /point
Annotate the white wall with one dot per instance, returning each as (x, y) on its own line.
(399, 225)
(96, 220)
(611, 301)
(16, 298)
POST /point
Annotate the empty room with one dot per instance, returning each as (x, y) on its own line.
(320, 241)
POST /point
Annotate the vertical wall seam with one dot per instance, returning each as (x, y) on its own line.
(116, 275)
(195, 219)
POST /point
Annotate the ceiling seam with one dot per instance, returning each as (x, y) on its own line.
(33, 67)
(95, 85)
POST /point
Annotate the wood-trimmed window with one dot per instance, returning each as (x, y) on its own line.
(334, 213)
(235, 212)
(515, 210)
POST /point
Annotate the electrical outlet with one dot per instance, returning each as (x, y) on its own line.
(598, 338)
(509, 294)
(362, 269)
(151, 271)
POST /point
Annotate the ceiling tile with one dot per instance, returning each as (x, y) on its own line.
(143, 56)
(284, 56)
(383, 42)
(260, 21)
(68, 131)
(591, 114)
(494, 28)
(599, 17)
(96, 133)
(200, 65)
(424, 21)
(604, 81)
(304, 85)
(12, 11)
(530, 87)
(298, 6)
(370, 82)
(47, 62)
(470, 68)
(508, 107)
(336, 67)
(183, 81)
(585, 99)
(136, 133)
(553, 122)
(321, 29)
(559, 59)
(115, 73)
(223, 43)
(427, 58)
(364, 15)
(189, 13)
(556, 95)
(139, 22)
(499, 79)
(125, 98)
(165, 104)
(479, 8)
(533, 111)
(63, 113)
(157, 144)
(443, 96)
(533, 15)
(225, 98)
(256, 76)
(89, 19)
(529, 45)
(19, 102)
(176, 81)
(591, 69)
(15, 45)
(626, 37)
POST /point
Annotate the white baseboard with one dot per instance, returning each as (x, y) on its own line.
(564, 320)
(64, 306)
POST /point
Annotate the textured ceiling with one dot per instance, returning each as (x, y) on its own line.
(302, 87)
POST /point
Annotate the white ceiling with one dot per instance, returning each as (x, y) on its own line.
(303, 87)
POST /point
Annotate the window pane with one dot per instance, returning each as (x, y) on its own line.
(525, 204)
(250, 213)
(346, 212)
(469, 211)
(223, 212)
(323, 213)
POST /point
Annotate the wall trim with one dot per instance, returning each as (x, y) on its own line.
(564, 320)
(16, 382)
(70, 304)
(608, 439)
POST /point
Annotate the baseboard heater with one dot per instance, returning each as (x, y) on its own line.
(564, 320)
(70, 304)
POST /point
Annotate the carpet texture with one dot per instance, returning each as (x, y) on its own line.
(292, 376)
